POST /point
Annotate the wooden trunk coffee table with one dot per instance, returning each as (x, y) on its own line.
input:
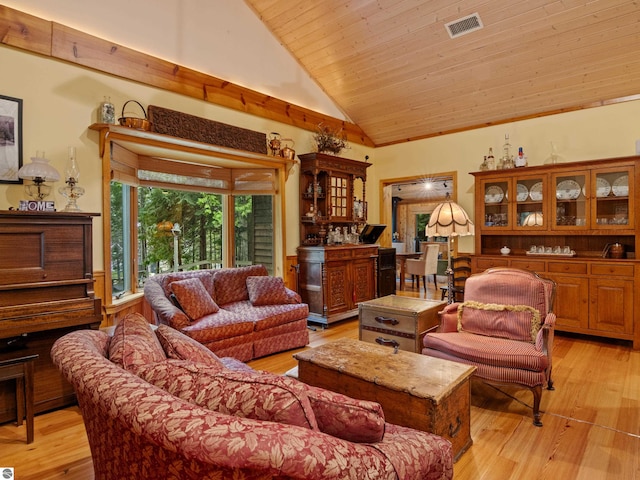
(415, 391)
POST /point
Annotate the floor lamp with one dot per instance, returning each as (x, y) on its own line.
(449, 219)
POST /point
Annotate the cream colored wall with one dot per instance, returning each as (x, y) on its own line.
(60, 102)
(221, 38)
(602, 132)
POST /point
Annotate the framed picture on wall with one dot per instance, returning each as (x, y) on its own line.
(10, 139)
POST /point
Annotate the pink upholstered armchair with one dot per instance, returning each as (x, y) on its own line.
(504, 327)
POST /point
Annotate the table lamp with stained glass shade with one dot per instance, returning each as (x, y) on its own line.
(39, 172)
(72, 191)
(449, 219)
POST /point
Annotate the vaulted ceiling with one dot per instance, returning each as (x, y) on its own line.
(394, 70)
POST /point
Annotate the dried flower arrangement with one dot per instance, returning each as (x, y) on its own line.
(330, 140)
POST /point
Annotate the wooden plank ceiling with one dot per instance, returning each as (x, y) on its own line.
(392, 67)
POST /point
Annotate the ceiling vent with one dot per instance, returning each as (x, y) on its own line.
(464, 25)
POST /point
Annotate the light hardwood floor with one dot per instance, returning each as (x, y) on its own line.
(591, 421)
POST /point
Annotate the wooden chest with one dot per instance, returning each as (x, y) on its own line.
(397, 321)
(416, 391)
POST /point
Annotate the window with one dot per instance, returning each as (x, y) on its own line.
(177, 230)
(422, 219)
(179, 205)
(254, 230)
(183, 230)
(120, 240)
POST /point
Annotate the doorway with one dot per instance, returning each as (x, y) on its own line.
(407, 203)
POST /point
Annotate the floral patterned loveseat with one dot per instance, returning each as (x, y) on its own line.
(158, 405)
(236, 312)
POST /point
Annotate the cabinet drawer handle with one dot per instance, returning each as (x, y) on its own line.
(387, 342)
(387, 321)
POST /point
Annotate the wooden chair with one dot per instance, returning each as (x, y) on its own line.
(504, 328)
(461, 267)
(424, 266)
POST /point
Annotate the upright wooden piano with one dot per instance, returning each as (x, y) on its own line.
(46, 290)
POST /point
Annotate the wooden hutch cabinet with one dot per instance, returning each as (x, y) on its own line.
(333, 276)
(46, 290)
(332, 193)
(574, 223)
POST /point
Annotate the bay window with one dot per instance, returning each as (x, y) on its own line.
(171, 203)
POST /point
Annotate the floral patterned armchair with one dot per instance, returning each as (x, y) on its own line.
(504, 327)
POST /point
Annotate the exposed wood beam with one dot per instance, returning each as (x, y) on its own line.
(43, 37)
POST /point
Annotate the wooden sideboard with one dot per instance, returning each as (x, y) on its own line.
(558, 221)
(46, 290)
(334, 279)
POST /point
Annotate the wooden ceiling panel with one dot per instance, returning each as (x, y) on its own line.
(391, 66)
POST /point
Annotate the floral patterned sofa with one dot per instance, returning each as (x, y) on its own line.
(236, 312)
(161, 405)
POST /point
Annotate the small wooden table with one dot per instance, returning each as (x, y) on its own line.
(21, 370)
(415, 391)
(397, 321)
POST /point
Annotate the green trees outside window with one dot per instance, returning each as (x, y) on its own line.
(183, 230)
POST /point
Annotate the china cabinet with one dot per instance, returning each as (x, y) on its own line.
(336, 271)
(332, 196)
(576, 224)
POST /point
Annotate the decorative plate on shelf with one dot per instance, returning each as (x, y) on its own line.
(568, 190)
(493, 194)
(535, 192)
(522, 193)
(603, 188)
(621, 186)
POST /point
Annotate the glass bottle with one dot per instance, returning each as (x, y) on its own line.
(107, 112)
(507, 158)
(521, 159)
(491, 161)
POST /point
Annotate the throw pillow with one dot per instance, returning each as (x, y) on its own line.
(134, 343)
(344, 417)
(205, 276)
(515, 322)
(265, 290)
(194, 298)
(258, 396)
(230, 284)
(179, 346)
